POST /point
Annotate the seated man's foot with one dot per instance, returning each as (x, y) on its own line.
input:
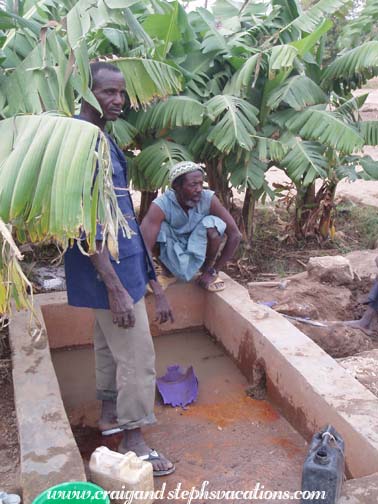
(210, 282)
(133, 441)
(108, 422)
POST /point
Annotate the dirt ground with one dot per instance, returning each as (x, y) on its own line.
(323, 302)
(301, 298)
(9, 451)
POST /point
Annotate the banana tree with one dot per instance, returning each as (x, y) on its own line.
(255, 95)
(361, 28)
(13, 282)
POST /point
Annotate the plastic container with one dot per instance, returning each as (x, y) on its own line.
(73, 492)
(124, 476)
(323, 470)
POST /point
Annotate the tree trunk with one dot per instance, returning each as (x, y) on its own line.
(146, 199)
(326, 206)
(313, 212)
(304, 204)
(218, 182)
(248, 214)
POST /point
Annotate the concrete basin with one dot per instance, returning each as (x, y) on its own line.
(306, 389)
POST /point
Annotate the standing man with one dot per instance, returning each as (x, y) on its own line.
(189, 222)
(124, 352)
(369, 320)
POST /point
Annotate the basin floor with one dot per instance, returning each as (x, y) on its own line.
(225, 438)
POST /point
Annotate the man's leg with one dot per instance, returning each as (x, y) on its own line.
(133, 352)
(185, 256)
(214, 241)
(209, 280)
(370, 314)
(106, 388)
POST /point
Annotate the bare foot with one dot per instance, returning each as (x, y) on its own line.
(358, 324)
(133, 441)
(108, 420)
(365, 323)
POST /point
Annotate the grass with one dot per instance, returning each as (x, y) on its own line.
(275, 252)
(360, 223)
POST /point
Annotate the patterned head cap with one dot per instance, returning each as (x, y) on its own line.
(182, 168)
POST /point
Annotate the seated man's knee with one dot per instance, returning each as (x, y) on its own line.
(212, 234)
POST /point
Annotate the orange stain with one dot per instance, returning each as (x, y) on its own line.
(290, 448)
(226, 413)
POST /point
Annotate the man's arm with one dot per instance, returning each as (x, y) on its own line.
(151, 224)
(232, 231)
(150, 228)
(120, 302)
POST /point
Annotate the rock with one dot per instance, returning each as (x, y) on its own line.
(49, 277)
(363, 263)
(364, 367)
(296, 309)
(331, 269)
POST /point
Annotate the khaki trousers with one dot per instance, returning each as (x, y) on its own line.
(125, 367)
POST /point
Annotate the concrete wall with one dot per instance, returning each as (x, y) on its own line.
(311, 388)
(48, 452)
(69, 326)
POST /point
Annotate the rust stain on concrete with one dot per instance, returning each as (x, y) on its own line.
(291, 449)
(247, 356)
(226, 413)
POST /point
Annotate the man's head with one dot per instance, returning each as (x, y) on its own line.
(108, 86)
(186, 179)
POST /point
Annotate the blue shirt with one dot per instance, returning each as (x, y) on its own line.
(183, 223)
(85, 287)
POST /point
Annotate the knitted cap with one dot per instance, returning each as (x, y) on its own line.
(182, 168)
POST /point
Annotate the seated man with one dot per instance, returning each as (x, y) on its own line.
(189, 222)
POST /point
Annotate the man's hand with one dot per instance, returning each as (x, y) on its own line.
(162, 307)
(120, 302)
(122, 307)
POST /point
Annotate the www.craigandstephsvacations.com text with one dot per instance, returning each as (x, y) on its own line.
(187, 496)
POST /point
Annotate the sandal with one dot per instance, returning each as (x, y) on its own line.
(110, 432)
(154, 455)
(215, 285)
(109, 428)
